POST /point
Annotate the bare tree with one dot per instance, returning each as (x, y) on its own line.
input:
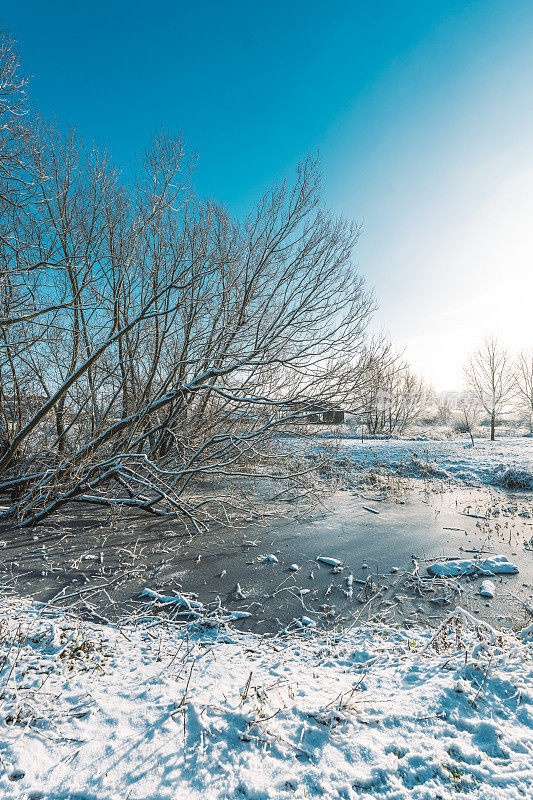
(149, 343)
(488, 376)
(443, 408)
(14, 183)
(523, 383)
(394, 396)
(468, 409)
(172, 343)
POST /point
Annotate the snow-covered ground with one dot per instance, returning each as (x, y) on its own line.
(507, 462)
(92, 712)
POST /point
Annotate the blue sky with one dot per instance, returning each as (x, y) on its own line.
(422, 113)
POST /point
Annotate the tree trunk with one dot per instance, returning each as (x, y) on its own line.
(492, 427)
(60, 428)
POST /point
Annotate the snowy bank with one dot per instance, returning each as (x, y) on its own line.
(507, 462)
(161, 711)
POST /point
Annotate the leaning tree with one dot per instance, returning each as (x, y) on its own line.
(150, 344)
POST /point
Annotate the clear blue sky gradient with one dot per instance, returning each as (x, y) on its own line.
(422, 114)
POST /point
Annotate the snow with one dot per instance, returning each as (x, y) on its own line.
(526, 633)
(506, 462)
(189, 602)
(494, 565)
(349, 585)
(164, 711)
(270, 559)
(487, 589)
(238, 593)
(305, 622)
(332, 562)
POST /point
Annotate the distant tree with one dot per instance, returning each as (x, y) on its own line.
(443, 409)
(363, 376)
(523, 383)
(395, 396)
(408, 400)
(468, 409)
(489, 376)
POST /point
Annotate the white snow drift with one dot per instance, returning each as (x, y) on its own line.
(160, 711)
(495, 565)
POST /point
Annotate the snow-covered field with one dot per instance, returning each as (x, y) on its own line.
(507, 462)
(94, 712)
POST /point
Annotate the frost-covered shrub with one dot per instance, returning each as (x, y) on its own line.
(512, 478)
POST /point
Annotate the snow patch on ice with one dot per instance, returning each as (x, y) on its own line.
(269, 559)
(487, 589)
(189, 602)
(495, 565)
(331, 562)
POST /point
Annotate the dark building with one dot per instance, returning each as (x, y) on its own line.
(318, 416)
(333, 417)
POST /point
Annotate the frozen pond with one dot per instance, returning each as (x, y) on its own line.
(248, 568)
(78, 560)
